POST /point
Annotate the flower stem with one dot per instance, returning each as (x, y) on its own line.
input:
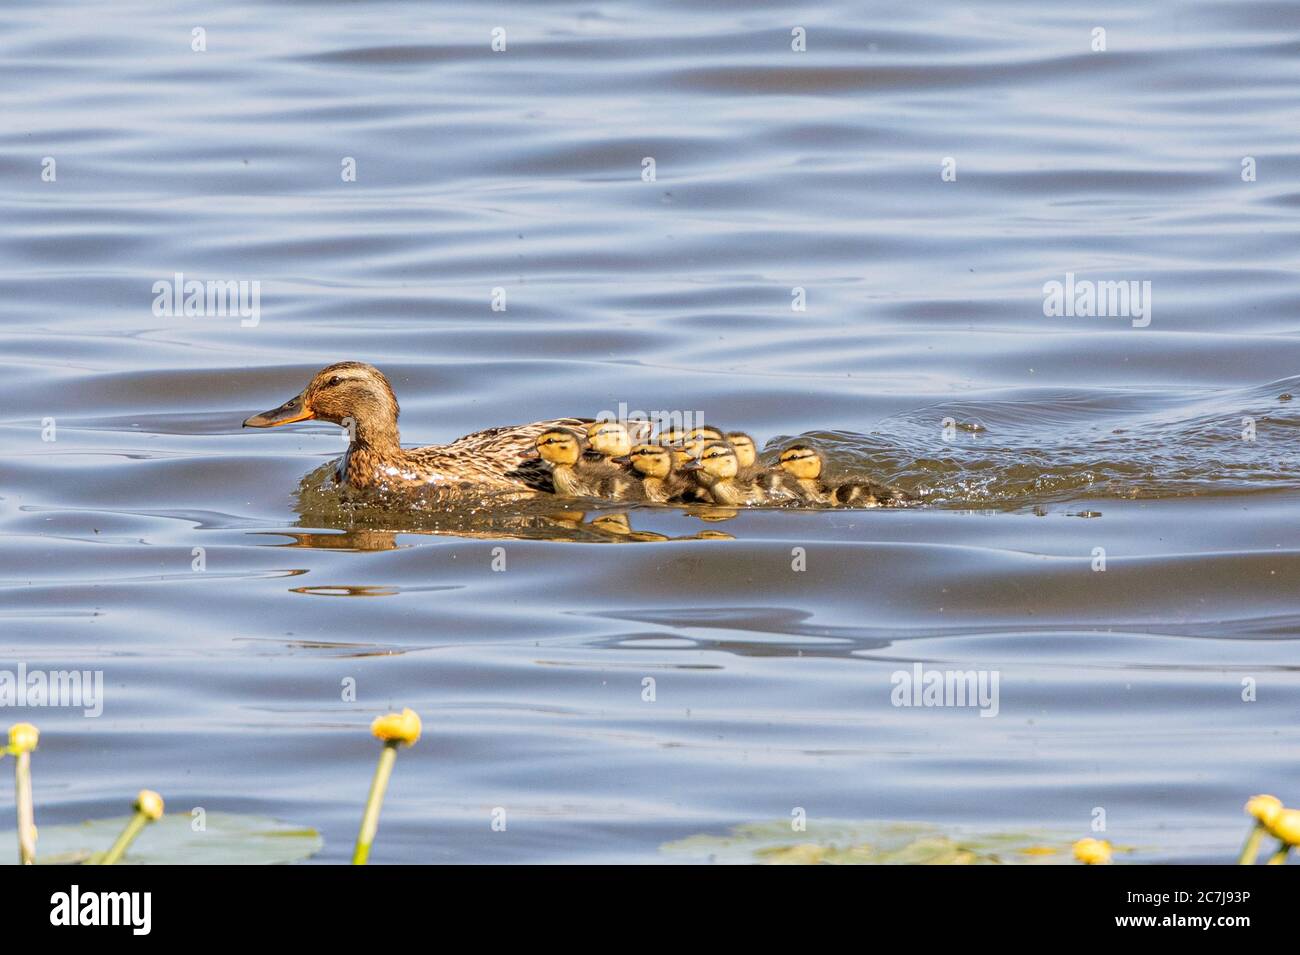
(370, 820)
(1279, 857)
(26, 811)
(124, 840)
(1250, 851)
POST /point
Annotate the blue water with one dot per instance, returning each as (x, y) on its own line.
(923, 355)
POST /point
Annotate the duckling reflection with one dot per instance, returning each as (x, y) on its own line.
(616, 524)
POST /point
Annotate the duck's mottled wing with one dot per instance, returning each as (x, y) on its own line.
(503, 450)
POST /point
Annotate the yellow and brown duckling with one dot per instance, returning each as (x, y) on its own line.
(704, 431)
(746, 456)
(660, 483)
(609, 443)
(804, 465)
(575, 473)
(670, 438)
(608, 439)
(693, 443)
(870, 494)
(359, 397)
(802, 471)
(714, 473)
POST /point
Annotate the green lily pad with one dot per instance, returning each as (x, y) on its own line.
(835, 842)
(227, 839)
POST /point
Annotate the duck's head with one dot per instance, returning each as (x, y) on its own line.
(716, 460)
(694, 443)
(704, 432)
(608, 438)
(743, 445)
(803, 462)
(350, 393)
(670, 438)
(650, 460)
(559, 446)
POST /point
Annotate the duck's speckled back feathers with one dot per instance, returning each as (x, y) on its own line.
(498, 459)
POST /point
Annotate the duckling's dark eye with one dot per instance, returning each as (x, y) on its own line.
(336, 380)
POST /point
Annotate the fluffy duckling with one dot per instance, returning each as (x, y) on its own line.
(715, 472)
(705, 432)
(659, 482)
(573, 473)
(746, 456)
(670, 438)
(609, 443)
(693, 444)
(869, 494)
(609, 439)
(803, 465)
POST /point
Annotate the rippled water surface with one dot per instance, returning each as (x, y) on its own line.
(1044, 448)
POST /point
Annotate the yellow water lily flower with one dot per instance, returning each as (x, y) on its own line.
(403, 727)
(1092, 851)
(1286, 826)
(1264, 808)
(149, 803)
(22, 738)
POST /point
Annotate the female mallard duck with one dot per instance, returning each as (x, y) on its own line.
(359, 397)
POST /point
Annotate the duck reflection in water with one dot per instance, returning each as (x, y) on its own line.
(332, 518)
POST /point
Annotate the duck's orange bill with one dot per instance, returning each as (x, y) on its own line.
(295, 409)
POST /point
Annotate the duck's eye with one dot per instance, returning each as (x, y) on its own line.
(336, 380)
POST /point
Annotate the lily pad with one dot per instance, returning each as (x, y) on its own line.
(836, 842)
(227, 839)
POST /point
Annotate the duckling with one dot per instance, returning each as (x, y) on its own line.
(659, 482)
(498, 459)
(670, 438)
(609, 439)
(609, 442)
(573, 473)
(705, 432)
(746, 456)
(869, 494)
(695, 440)
(715, 474)
(804, 466)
